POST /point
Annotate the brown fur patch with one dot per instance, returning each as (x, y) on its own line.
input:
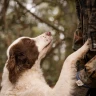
(22, 56)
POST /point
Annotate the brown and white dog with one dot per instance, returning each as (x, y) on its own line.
(22, 70)
(22, 75)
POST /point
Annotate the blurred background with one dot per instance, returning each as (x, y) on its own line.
(34, 17)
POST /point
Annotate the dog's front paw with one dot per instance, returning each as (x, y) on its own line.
(88, 42)
(86, 45)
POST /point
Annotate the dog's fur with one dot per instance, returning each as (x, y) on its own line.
(22, 75)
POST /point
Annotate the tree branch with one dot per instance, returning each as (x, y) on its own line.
(3, 12)
(41, 20)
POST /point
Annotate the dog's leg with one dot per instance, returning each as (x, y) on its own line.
(66, 83)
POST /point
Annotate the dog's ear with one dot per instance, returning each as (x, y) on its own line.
(16, 64)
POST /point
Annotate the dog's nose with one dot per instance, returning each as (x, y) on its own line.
(48, 33)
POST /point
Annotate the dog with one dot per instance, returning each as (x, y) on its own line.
(22, 74)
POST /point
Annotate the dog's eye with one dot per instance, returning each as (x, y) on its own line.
(26, 41)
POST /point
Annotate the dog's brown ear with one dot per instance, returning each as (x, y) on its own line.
(16, 64)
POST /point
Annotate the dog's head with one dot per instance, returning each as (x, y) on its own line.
(24, 52)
